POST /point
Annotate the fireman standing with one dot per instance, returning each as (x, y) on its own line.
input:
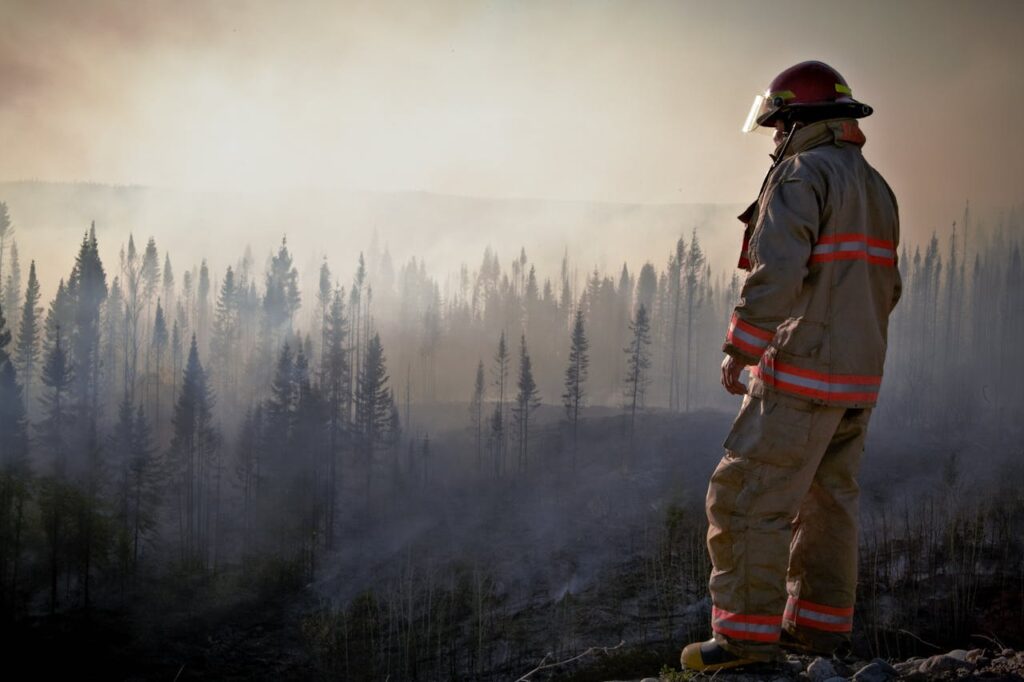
(820, 250)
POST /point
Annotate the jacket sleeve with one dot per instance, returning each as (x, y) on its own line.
(780, 248)
(898, 284)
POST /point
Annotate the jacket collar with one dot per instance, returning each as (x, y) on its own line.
(838, 131)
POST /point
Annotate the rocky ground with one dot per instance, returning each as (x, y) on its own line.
(959, 664)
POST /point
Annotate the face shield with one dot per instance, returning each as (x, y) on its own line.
(761, 106)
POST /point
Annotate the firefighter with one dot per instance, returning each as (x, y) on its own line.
(820, 253)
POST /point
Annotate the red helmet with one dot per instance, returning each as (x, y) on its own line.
(809, 91)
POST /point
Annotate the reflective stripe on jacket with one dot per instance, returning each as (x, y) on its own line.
(814, 308)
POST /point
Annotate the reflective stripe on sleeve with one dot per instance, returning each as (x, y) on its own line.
(827, 387)
(747, 337)
(854, 247)
(819, 616)
(741, 626)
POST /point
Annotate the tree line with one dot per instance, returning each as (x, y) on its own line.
(146, 417)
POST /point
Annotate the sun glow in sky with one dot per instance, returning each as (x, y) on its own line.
(608, 101)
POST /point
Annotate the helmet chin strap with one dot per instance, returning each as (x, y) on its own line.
(781, 154)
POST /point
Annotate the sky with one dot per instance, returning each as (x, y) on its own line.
(597, 101)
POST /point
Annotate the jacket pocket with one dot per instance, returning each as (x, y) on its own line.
(770, 431)
(801, 338)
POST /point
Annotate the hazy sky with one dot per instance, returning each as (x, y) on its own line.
(616, 101)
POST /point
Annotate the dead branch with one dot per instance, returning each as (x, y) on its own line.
(907, 632)
(544, 665)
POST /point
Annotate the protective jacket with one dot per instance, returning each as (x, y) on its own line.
(814, 308)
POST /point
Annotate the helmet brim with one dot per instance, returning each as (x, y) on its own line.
(849, 108)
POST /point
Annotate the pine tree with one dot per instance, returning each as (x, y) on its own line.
(14, 443)
(695, 262)
(5, 231)
(675, 284)
(168, 283)
(119, 449)
(373, 406)
(527, 401)
(476, 414)
(193, 456)
(11, 298)
(176, 357)
(146, 484)
(15, 477)
(324, 299)
(575, 377)
(336, 382)
(638, 362)
(58, 416)
(26, 353)
(646, 287)
(13, 425)
(498, 436)
(150, 278)
(114, 341)
(248, 458)
(52, 435)
(224, 343)
(203, 305)
(160, 339)
(87, 288)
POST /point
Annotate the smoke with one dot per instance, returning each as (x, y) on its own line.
(584, 101)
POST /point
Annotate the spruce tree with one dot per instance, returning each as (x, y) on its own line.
(53, 436)
(168, 283)
(26, 352)
(638, 362)
(55, 401)
(694, 266)
(87, 289)
(224, 342)
(203, 306)
(498, 435)
(575, 377)
(476, 414)
(113, 342)
(11, 298)
(14, 442)
(5, 232)
(248, 458)
(336, 383)
(527, 400)
(146, 484)
(373, 406)
(193, 458)
(160, 339)
(15, 477)
(324, 299)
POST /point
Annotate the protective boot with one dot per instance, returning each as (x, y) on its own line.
(710, 656)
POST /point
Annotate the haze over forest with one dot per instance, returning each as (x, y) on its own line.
(365, 341)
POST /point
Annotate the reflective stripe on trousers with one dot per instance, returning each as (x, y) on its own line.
(782, 512)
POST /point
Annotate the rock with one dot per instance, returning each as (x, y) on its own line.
(876, 671)
(1009, 653)
(958, 654)
(907, 667)
(794, 665)
(974, 654)
(942, 663)
(837, 678)
(820, 670)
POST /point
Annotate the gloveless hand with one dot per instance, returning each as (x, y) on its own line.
(731, 370)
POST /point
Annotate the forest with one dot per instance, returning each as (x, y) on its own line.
(404, 477)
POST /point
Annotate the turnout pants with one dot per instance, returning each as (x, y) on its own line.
(782, 507)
